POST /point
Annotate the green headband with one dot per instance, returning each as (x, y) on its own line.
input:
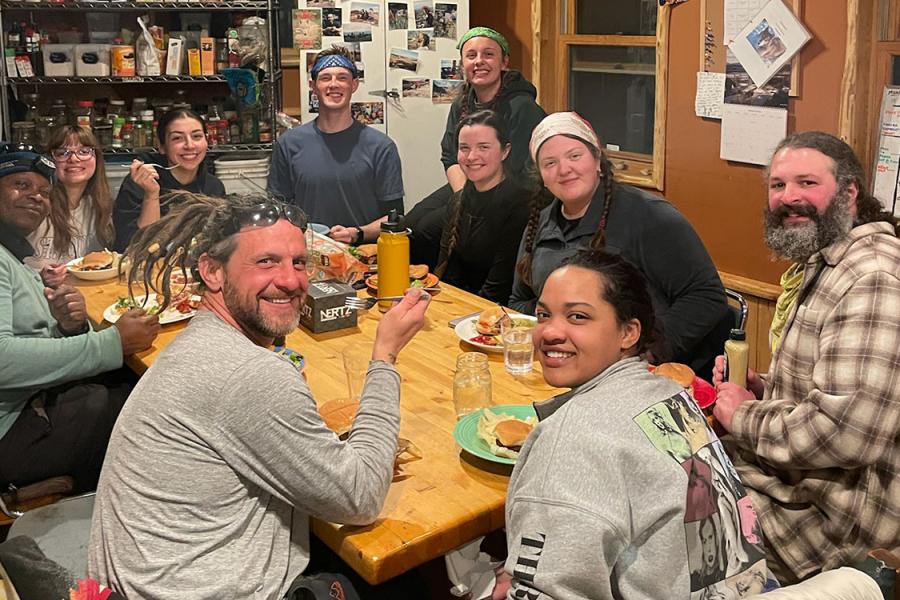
(484, 32)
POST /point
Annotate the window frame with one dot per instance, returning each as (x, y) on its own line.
(552, 48)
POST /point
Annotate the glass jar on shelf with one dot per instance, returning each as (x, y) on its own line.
(23, 132)
(44, 127)
(103, 130)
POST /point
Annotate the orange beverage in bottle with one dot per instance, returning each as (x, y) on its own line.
(393, 260)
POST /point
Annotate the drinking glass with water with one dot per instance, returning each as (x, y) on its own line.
(518, 347)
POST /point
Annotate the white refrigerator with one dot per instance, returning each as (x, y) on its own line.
(411, 72)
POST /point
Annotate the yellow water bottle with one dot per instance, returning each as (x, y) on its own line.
(393, 259)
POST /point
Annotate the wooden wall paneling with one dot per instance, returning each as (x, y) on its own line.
(856, 118)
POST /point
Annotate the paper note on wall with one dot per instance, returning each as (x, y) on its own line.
(750, 133)
(887, 161)
(737, 14)
(710, 95)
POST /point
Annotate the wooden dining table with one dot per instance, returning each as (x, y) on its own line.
(439, 502)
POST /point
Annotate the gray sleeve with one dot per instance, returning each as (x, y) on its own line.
(389, 173)
(271, 434)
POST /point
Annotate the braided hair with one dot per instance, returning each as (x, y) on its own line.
(450, 240)
(195, 225)
(542, 198)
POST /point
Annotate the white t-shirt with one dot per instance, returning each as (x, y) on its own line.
(83, 241)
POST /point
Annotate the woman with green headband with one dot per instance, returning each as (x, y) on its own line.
(490, 84)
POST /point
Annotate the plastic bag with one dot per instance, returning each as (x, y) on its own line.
(146, 55)
(253, 43)
(330, 259)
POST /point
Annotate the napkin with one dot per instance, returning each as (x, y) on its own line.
(471, 571)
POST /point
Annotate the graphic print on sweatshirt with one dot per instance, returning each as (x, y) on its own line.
(724, 545)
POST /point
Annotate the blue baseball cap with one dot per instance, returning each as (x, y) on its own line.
(19, 158)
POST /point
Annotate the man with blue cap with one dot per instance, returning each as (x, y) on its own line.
(342, 173)
(52, 420)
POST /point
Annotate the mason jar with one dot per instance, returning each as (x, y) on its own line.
(471, 383)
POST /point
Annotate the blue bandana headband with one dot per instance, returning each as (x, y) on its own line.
(333, 60)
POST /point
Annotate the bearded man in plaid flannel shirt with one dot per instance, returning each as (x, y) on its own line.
(816, 441)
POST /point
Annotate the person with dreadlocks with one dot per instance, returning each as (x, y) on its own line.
(818, 451)
(489, 84)
(220, 456)
(587, 208)
(58, 399)
(344, 174)
(485, 219)
(81, 205)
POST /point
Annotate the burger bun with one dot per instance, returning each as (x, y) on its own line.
(682, 374)
(512, 433)
(490, 321)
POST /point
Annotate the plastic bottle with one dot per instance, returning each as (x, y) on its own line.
(737, 356)
(128, 133)
(471, 383)
(393, 259)
(84, 112)
(118, 125)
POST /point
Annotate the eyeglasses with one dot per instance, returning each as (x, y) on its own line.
(82, 153)
(267, 214)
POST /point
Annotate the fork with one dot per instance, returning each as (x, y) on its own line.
(357, 303)
(161, 167)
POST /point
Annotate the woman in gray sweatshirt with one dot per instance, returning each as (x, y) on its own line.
(616, 493)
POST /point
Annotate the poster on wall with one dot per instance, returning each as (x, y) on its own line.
(365, 12)
(443, 91)
(320, 3)
(445, 20)
(357, 32)
(420, 39)
(416, 87)
(769, 41)
(401, 58)
(368, 113)
(424, 11)
(332, 21)
(307, 28)
(886, 181)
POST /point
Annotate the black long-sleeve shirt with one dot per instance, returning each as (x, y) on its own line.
(649, 232)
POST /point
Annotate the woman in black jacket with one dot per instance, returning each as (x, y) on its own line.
(182, 145)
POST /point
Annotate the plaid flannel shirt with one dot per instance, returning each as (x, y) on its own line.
(819, 453)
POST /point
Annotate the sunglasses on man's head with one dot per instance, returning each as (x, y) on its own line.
(267, 214)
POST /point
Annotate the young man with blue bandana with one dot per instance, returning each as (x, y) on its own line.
(340, 172)
(53, 421)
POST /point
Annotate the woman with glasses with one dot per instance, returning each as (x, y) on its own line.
(80, 219)
(179, 166)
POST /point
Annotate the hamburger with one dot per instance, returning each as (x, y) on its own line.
(96, 261)
(681, 374)
(418, 272)
(367, 254)
(504, 434)
(511, 434)
(490, 321)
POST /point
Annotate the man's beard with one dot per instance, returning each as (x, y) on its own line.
(799, 242)
(251, 318)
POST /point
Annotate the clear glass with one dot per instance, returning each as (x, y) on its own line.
(628, 17)
(471, 383)
(518, 348)
(614, 87)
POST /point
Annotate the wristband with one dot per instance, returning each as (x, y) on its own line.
(360, 237)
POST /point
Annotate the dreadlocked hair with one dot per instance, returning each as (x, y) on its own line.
(195, 225)
(449, 242)
(542, 198)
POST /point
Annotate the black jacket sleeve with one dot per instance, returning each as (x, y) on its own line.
(522, 298)
(524, 116)
(126, 212)
(449, 142)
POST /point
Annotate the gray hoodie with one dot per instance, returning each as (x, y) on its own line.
(623, 491)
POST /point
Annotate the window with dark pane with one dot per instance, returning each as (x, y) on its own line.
(614, 87)
(616, 17)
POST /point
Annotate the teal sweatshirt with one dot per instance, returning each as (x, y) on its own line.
(34, 353)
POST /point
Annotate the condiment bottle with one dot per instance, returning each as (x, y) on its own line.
(737, 355)
(84, 113)
(393, 259)
(471, 383)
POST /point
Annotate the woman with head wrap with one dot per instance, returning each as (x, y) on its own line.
(580, 205)
(489, 84)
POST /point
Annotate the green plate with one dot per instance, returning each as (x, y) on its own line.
(466, 431)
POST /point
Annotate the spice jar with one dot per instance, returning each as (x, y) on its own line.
(103, 130)
(471, 383)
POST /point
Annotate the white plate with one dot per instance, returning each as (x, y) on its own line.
(466, 330)
(98, 275)
(170, 315)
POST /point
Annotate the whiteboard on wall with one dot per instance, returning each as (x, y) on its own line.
(887, 158)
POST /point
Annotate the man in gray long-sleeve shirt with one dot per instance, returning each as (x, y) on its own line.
(220, 455)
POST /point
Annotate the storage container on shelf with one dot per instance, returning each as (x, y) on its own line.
(92, 60)
(59, 60)
(235, 172)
